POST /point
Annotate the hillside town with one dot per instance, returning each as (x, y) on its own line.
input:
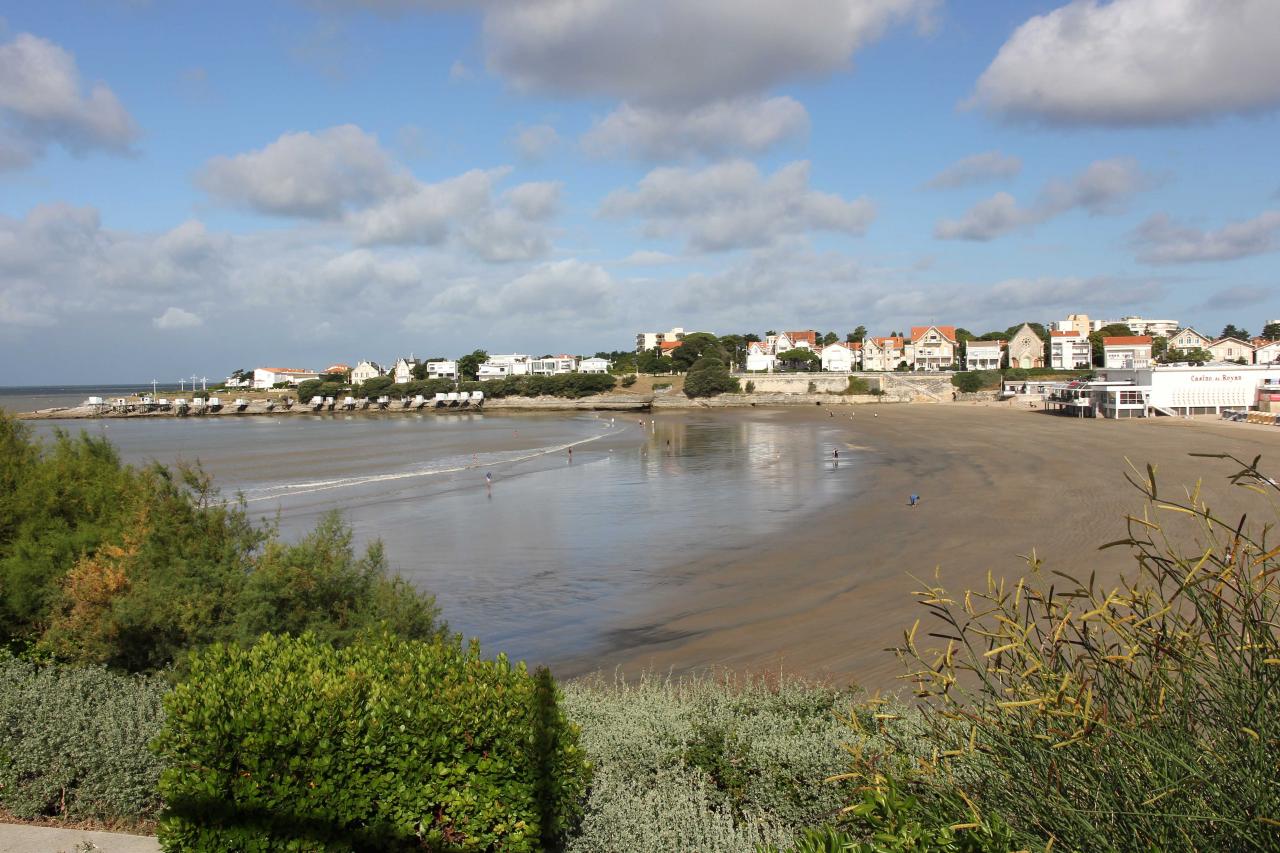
(1075, 343)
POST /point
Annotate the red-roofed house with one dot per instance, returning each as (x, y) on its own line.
(840, 357)
(1128, 351)
(270, 377)
(667, 347)
(1232, 349)
(338, 368)
(1069, 350)
(883, 353)
(804, 340)
(933, 347)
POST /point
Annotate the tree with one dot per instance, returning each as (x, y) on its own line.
(799, 358)
(652, 363)
(857, 336)
(694, 346)
(375, 385)
(736, 347)
(1159, 346)
(968, 381)
(1271, 331)
(829, 338)
(1195, 356)
(1232, 331)
(1114, 330)
(708, 377)
(469, 365)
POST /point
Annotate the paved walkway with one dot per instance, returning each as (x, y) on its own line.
(17, 838)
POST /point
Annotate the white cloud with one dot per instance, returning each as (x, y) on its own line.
(681, 52)
(567, 291)
(315, 175)
(537, 200)
(741, 125)
(1136, 62)
(976, 169)
(647, 258)
(731, 205)
(42, 102)
(459, 72)
(176, 318)
(535, 143)
(1160, 240)
(1104, 187)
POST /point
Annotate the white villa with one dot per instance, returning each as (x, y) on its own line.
(364, 371)
(502, 366)
(1267, 353)
(269, 377)
(1231, 349)
(884, 353)
(760, 356)
(1130, 352)
(841, 357)
(403, 371)
(554, 365)
(593, 365)
(442, 370)
(933, 347)
(1069, 350)
(983, 355)
(1188, 339)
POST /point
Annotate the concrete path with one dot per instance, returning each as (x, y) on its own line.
(16, 838)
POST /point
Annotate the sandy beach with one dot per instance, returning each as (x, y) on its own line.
(827, 598)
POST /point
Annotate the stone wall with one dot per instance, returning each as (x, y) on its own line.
(798, 383)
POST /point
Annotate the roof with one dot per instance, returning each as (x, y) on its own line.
(286, 369)
(667, 346)
(984, 344)
(337, 368)
(1065, 334)
(1127, 340)
(811, 336)
(948, 332)
(1224, 340)
(895, 343)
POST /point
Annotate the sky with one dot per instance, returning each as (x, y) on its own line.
(193, 187)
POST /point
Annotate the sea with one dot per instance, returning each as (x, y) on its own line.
(541, 535)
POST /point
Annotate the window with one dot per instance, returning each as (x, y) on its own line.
(1131, 398)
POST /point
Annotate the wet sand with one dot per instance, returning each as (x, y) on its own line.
(827, 598)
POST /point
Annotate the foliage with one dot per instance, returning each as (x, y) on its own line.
(386, 744)
(799, 357)
(73, 742)
(424, 387)
(628, 380)
(968, 381)
(1112, 330)
(857, 335)
(1144, 716)
(750, 387)
(1231, 330)
(101, 562)
(694, 346)
(1271, 331)
(469, 365)
(319, 388)
(705, 764)
(858, 385)
(571, 385)
(1015, 373)
(1194, 356)
(376, 385)
(708, 377)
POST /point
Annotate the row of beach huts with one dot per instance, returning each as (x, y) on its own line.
(181, 406)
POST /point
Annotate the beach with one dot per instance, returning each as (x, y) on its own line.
(828, 595)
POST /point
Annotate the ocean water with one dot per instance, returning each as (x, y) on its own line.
(32, 398)
(547, 561)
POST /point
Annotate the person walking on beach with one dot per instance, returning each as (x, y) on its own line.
(837, 454)
(913, 501)
(488, 481)
(570, 454)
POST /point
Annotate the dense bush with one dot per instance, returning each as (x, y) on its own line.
(628, 380)
(1140, 716)
(385, 744)
(320, 388)
(101, 562)
(708, 377)
(705, 765)
(858, 385)
(570, 385)
(73, 742)
(970, 381)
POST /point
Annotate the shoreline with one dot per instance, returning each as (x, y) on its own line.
(828, 597)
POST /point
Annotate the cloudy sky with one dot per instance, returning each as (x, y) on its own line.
(195, 187)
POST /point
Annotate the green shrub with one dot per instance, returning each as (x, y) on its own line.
(705, 765)
(386, 744)
(660, 386)
(73, 742)
(1016, 373)
(858, 385)
(708, 377)
(628, 380)
(570, 385)
(750, 387)
(1145, 715)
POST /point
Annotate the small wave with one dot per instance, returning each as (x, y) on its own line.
(288, 490)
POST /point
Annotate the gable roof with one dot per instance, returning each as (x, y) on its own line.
(1237, 340)
(948, 332)
(285, 369)
(668, 346)
(810, 336)
(892, 343)
(984, 344)
(1127, 340)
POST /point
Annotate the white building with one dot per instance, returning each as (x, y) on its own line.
(1131, 351)
(244, 382)
(761, 357)
(502, 366)
(1143, 326)
(840, 357)
(593, 365)
(983, 355)
(1231, 349)
(646, 341)
(366, 370)
(1069, 350)
(403, 371)
(270, 377)
(442, 370)
(933, 347)
(884, 353)
(1267, 353)
(1026, 350)
(1182, 389)
(1188, 339)
(553, 366)
(1079, 323)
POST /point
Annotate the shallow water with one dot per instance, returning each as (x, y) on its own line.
(556, 552)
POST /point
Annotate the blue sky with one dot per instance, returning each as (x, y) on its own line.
(197, 187)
